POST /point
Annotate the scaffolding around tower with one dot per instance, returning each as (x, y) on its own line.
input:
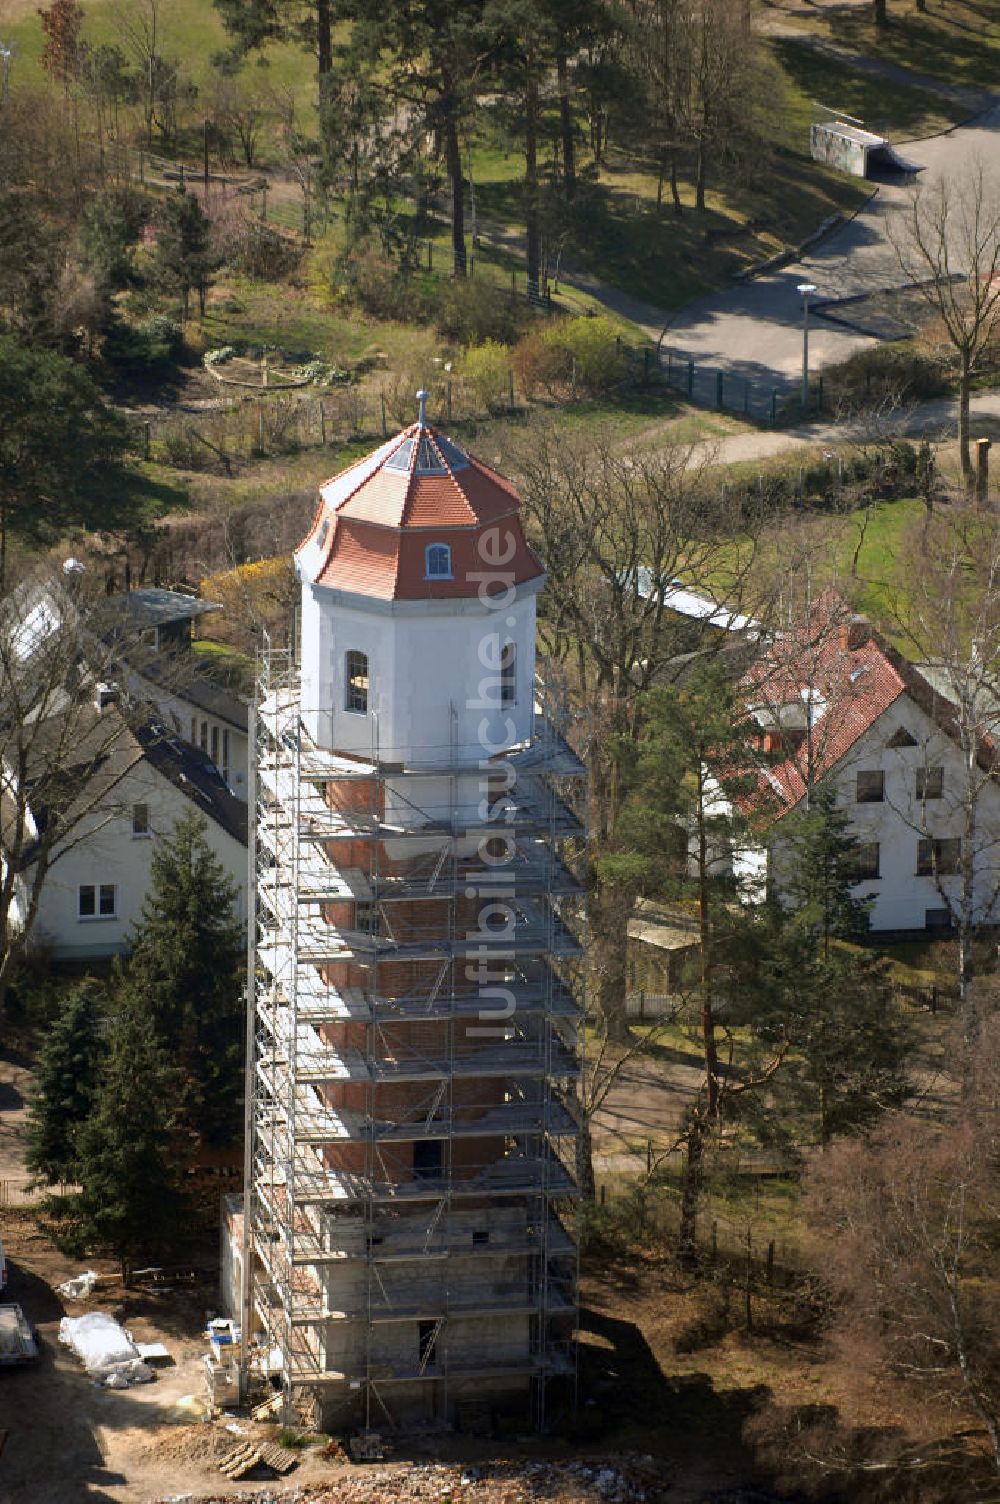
(412, 1053)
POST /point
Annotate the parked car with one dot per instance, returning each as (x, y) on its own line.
(18, 1343)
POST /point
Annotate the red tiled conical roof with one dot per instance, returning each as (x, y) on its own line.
(377, 518)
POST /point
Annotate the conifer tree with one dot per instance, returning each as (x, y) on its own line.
(187, 968)
(681, 834)
(66, 1077)
(131, 1201)
(183, 258)
(830, 996)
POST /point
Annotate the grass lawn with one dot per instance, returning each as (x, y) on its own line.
(191, 31)
(953, 40)
(886, 107)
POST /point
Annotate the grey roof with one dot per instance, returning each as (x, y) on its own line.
(194, 687)
(158, 608)
(191, 771)
(218, 701)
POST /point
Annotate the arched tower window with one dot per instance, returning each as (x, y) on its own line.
(356, 681)
(508, 674)
(437, 561)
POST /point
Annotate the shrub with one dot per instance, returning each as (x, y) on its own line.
(256, 250)
(149, 350)
(254, 595)
(594, 344)
(160, 330)
(470, 311)
(485, 374)
(540, 364)
(889, 372)
(380, 287)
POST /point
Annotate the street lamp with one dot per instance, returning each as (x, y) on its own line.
(805, 288)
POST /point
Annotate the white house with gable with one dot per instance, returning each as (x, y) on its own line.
(98, 877)
(923, 797)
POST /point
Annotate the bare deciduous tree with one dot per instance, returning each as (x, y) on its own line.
(907, 1222)
(948, 244)
(65, 740)
(617, 529)
(950, 618)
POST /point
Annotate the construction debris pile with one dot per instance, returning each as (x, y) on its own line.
(618, 1480)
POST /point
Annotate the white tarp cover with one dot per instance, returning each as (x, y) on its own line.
(104, 1348)
(79, 1287)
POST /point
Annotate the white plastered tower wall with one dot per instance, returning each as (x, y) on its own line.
(411, 1060)
(433, 684)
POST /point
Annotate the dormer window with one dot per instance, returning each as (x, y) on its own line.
(324, 532)
(356, 681)
(437, 561)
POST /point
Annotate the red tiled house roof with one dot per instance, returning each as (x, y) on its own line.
(851, 676)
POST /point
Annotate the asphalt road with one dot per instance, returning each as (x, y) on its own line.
(752, 331)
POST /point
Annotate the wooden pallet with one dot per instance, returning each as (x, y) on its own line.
(250, 1454)
(279, 1458)
(241, 1460)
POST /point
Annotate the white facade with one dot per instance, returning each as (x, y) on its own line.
(905, 895)
(107, 866)
(433, 693)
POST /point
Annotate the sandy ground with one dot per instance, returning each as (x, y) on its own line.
(15, 1079)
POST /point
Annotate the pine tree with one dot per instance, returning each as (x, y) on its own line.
(681, 834)
(66, 1077)
(831, 997)
(183, 258)
(821, 858)
(127, 1162)
(187, 966)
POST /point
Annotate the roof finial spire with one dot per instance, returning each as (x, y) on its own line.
(422, 412)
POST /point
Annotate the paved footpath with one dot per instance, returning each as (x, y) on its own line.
(937, 419)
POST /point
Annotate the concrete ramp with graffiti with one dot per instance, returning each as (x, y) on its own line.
(850, 148)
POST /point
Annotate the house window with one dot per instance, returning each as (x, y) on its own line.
(866, 861)
(203, 741)
(870, 787)
(97, 901)
(901, 738)
(480, 1237)
(508, 674)
(437, 561)
(215, 745)
(356, 676)
(939, 858)
(930, 783)
(937, 919)
(140, 819)
(225, 754)
(194, 731)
